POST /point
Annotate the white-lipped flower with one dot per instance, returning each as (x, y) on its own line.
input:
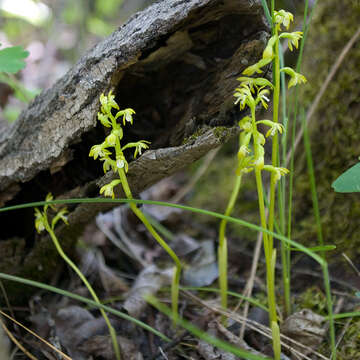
(60, 216)
(108, 102)
(39, 221)
(244, 96)
(108, 189)
(293, 38)
(127, 116)
(121, 162)
(99, 150)
(140, 146)
(278, 171)
(284, 18)
(274, 127)
(296, 78)
(243, 152)
(262, 97)
(108, 164)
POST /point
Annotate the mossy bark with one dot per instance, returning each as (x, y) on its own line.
(334, 128)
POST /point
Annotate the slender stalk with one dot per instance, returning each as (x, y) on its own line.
(285, 248)
(266, 10)
(270, 253)
(176, 277)
(325, 270)
(275, 143)
(311, 172)
(222, 250)
(87, 284)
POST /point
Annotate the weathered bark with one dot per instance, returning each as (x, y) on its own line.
(176, 64)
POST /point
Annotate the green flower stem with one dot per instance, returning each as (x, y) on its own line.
(84, 280)
(285, 251)
(176, 277)
(274, 161)
(222, 250)
(270, 253)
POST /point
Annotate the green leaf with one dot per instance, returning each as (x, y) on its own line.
(349, 181)
(11, 59)
(319, 248)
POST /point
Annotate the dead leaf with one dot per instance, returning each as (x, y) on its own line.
(305, 327)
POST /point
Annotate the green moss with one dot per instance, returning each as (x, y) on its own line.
(314, 299)
(190, 139)
(219, 131)
(334, 128)
(349, 348)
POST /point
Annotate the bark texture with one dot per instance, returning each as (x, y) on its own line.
(176, 64)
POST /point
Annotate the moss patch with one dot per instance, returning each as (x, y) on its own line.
(335, 136)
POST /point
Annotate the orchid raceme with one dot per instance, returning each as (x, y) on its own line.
(117, 162)
(253, 93)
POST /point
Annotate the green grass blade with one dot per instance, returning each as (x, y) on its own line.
(243, 354)
(319, 248)
(267, 11)
(183, 207)
(84, 300)
(231, 293)
(311, 172)
(161, 229)
(344, 315)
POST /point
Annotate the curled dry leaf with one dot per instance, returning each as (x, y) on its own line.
(148, 282)
(305, 327)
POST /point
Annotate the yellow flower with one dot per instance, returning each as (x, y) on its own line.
(256, 68)
(296, 78)
(293, 38)
(108, 189)
(99, 150)
(39, 221)
(284, 18)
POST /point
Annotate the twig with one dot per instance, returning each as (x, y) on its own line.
(351, 264)
(36, 335)
(3, 290)
(16, 342)
(250, 283)
(343, 331)
(162, 353)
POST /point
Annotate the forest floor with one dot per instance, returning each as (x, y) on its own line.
(123, 263)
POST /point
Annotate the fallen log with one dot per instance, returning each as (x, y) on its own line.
(176, 64)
